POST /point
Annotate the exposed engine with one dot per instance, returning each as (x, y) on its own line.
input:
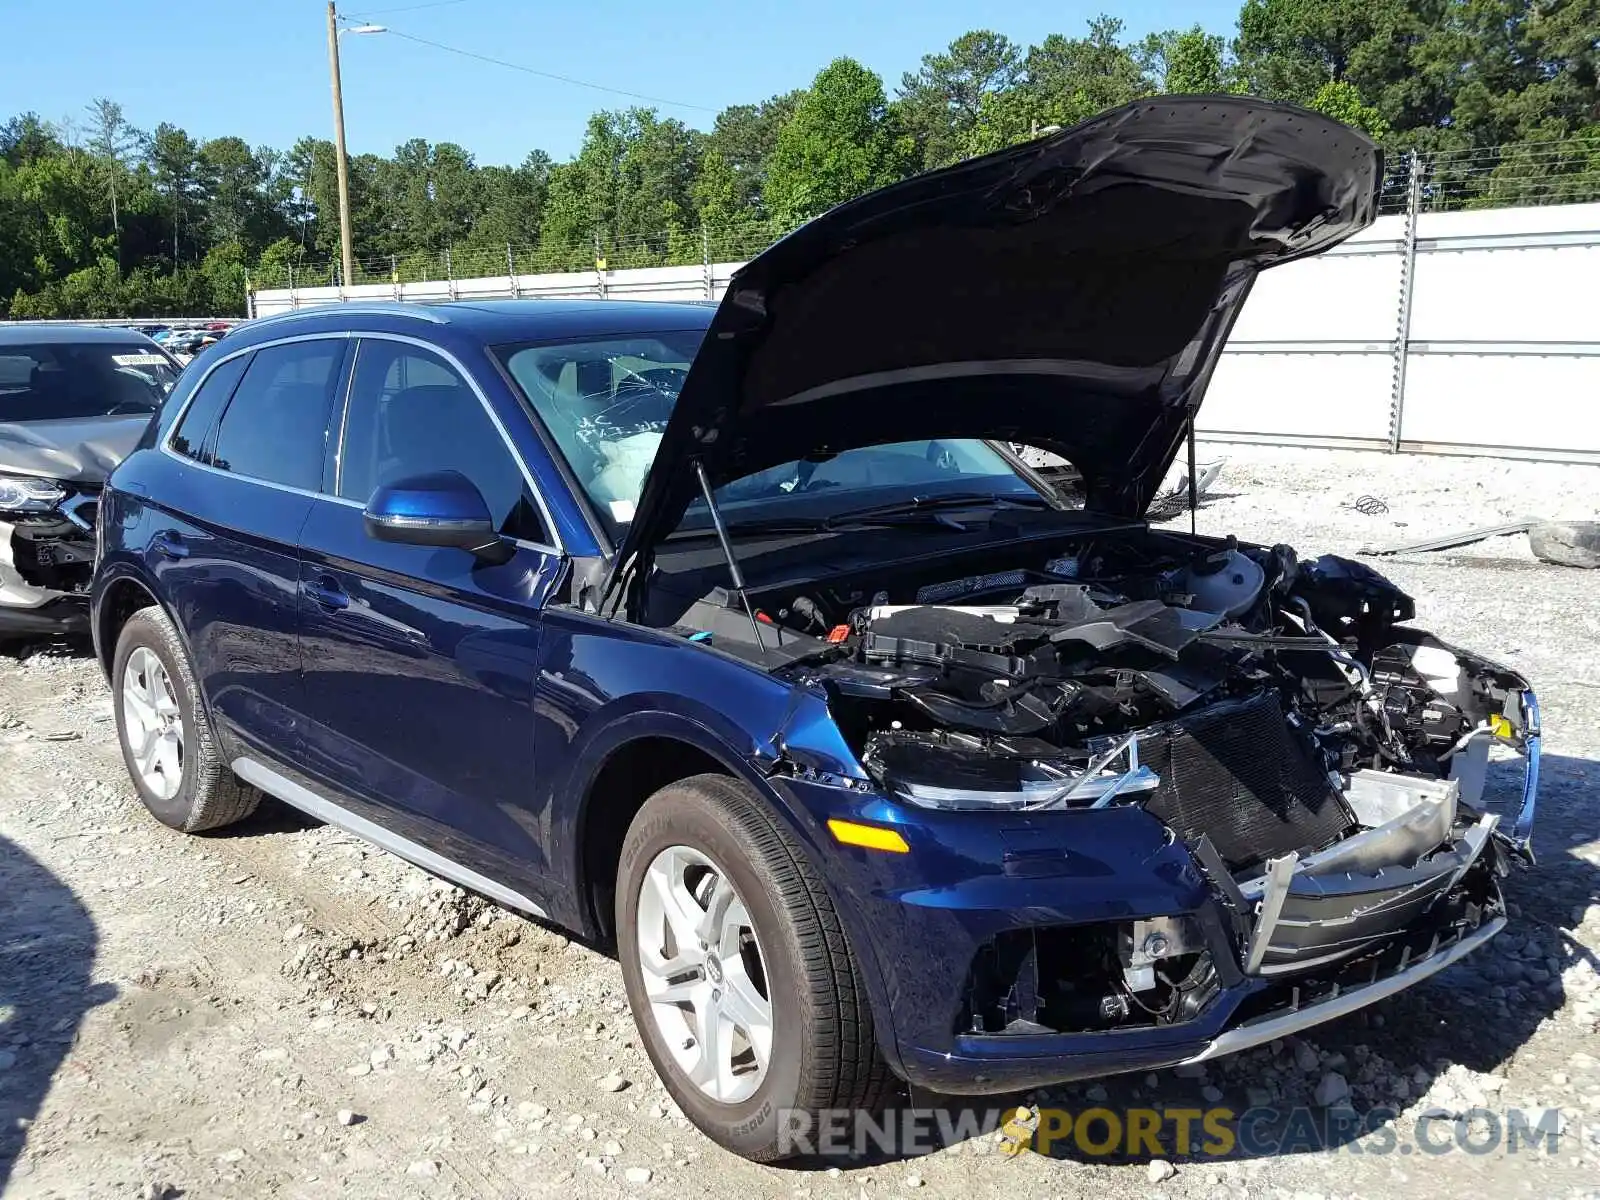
(1028, 684)
(1322, 761)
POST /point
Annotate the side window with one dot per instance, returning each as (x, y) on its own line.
(410, 413)
(190, 437)
(275, 427)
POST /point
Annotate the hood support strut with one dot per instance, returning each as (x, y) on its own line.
(1194, 487)
(735, 575)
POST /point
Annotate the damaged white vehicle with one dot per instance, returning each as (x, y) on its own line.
(74, 401)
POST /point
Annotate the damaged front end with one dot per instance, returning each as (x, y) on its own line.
(1326, 768)
(47, 551)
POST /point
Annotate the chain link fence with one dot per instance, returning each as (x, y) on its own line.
(1526, 173)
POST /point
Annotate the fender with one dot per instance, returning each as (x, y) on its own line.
(805, 737)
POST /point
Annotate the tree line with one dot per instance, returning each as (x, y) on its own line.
(98, 218)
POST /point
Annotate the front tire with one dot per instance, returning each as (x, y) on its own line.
(746, 995)
(166, 738)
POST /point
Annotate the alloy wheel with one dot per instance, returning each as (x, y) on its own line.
(704, 974)
(152, 723)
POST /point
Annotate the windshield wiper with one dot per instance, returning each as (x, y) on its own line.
(919, 511)
(930, 505)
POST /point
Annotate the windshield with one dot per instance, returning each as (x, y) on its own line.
(607, 401)
(55, 381)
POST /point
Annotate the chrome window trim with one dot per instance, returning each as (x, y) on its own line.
(460, 369)
(553, 547)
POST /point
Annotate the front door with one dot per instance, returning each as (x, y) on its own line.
(224, 541)
(419, 661)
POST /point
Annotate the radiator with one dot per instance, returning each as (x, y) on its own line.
(1238, 773)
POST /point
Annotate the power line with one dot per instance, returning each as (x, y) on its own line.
(412, 8)
(584, 83)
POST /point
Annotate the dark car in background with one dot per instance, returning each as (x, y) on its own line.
(732, 638)
(73, 401)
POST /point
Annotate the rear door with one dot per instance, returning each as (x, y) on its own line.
(224, 543)
(420, 661)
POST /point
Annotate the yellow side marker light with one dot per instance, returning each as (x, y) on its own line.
(871, 837)
(1499, 726)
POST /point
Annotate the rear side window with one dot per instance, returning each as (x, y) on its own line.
(410, 413)
(190, 438)
(275, 427)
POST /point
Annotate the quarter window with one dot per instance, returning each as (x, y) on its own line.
(275, 427)
(411, 413)
(190, 438)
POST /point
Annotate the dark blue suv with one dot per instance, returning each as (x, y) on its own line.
(739, 638)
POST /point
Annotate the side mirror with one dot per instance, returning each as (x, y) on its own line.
(439, 509)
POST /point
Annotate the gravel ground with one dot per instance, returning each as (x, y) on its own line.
(280, 1011)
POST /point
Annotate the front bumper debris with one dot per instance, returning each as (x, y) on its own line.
(1310, 938)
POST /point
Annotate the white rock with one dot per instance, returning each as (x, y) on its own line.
(424, 1167)
(614, 1149)
(638, 1174)
(613, 1083)
(348, 1116)
(1160, 1170)
(913, 1180)
(1332, 1088)
(1305, 1058)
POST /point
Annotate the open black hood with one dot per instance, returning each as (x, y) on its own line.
(1072, 293)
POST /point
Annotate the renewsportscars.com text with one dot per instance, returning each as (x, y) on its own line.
(1101, 1132)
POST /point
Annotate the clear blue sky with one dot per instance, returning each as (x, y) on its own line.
(259, 69)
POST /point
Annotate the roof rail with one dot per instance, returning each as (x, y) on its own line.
(417, 312)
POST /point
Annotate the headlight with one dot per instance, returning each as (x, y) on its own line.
(24, 493)
(972, 780)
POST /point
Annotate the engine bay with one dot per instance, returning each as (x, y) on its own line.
(1323, 761)
(1013, 680)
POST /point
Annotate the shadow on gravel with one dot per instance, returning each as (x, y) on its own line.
(65, 646)
(1475, 1015)
(47, 947)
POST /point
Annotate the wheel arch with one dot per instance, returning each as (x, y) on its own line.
(624, 766)
(118, 599)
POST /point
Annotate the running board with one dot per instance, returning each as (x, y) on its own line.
(308, 802)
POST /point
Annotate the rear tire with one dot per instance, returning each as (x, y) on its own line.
(166, 738)
(820, 1048)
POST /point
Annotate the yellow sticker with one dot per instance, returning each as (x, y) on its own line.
(1499, 726)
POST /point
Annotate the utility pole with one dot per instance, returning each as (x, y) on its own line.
(347, 256)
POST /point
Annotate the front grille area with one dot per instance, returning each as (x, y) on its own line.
(1238, 774)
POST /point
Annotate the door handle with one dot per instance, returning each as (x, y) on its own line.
(169, 544)
(326, 592)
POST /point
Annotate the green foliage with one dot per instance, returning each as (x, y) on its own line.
(1500, 97)
(1063, 81)
(940, 104)
(1343, 102)
(841, 142)
(1188, 62)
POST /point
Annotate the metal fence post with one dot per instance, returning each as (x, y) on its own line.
(394, 277)
(1408, 271)
(511, 272)
(450, 275)
(705, 255)
(249, 297)
(599, 268)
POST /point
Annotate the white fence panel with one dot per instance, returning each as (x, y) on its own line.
(1312, 396)
(1500, 355)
